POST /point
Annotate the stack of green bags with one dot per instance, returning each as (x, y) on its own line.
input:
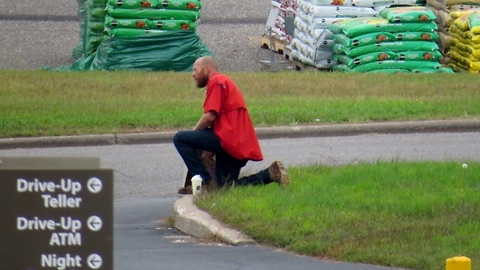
(402, 39)
(131, 18)
(151, 35)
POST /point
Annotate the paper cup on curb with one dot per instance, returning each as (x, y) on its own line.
(196, 185)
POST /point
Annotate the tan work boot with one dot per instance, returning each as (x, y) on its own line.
(278, 174)
(210, 186)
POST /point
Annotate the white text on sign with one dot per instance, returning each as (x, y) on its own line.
(61, 201)
(36, 224)
(61, 262)
(66, 185)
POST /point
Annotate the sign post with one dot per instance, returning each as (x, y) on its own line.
(272, 17)
(56, 218)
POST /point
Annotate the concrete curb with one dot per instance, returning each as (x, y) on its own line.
(198, 223)
(368, 128)
(58, 141)
(263, 133)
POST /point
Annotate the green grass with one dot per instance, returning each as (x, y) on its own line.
(45, 103)
(402, 214)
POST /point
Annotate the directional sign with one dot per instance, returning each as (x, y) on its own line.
(272, 17)
(56, 219)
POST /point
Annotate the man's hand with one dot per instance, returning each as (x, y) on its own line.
(205, 121)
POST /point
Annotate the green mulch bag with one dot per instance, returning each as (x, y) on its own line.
(435, 70)
(398, 70)
(424, 70)
(417, 36)
(397, 64)
(153, 14)
(396, 46)
(419, 56)
(125, 23)
(345, 68)
(388, 55)
(165, 4)
(359, 26)
(408, 14)
(172, 24)
(181, 4)
(132, 32)
(390, 71)
(135, 4)
(160, 51)
(377, 37)
(365, 58)
(113, 23)
(474, 23)
(362, 40)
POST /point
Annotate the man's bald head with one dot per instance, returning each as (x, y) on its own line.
(208, 61)
(203, 69)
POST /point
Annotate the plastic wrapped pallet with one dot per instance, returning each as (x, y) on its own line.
(157, 51)
(148, 35)
(403, 38)
(312, 43)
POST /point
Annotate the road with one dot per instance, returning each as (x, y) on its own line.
(147, 177)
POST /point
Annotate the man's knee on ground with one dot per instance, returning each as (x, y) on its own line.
(178, 137)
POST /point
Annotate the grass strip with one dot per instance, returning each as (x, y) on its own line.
(401, 214)
(46, 103)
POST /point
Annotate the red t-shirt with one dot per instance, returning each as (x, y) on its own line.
(232, 125)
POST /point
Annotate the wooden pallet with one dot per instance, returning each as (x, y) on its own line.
(275, 45)
(304, 67)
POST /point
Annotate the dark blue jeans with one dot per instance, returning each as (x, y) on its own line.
(227, 168)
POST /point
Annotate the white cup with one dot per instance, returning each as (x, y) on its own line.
(196, 184)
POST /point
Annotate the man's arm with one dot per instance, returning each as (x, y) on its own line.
(205, 121)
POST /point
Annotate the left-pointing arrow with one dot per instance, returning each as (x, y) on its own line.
(94, 261)
(94, 223)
